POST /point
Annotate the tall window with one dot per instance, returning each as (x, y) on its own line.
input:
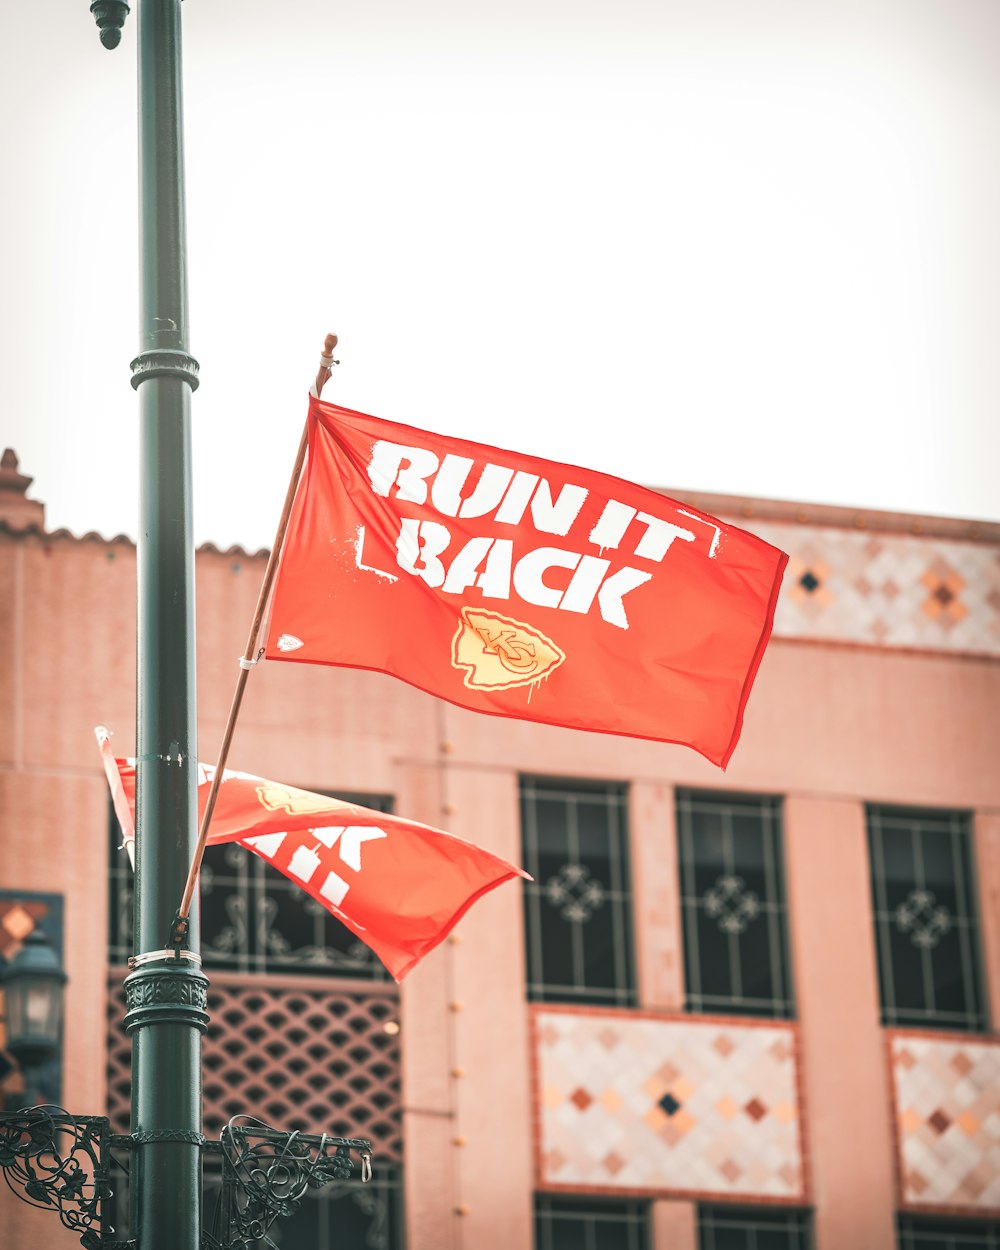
(570, 1223)
(253, 918)
(753, 1228)
(578, 908)
(315, 1053)
(733, 904)
(920, 1232)
(925, 918)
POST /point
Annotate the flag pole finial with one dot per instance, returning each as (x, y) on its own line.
(326, 363)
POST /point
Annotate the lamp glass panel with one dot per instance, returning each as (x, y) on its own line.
(33, 1010)
(40, 1009)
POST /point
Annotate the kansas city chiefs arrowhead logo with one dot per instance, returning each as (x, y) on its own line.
(279, 798)
(497, 653)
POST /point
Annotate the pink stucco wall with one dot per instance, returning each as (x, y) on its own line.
(829, 727)
(843, 1056)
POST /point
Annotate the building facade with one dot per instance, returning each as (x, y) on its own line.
(752, 1010)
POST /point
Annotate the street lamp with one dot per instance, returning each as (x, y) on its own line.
(33, 1001)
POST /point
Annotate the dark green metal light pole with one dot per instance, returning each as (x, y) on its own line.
(63, 1161)
(166, 991)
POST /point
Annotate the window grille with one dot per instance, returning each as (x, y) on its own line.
(753, 1228)
(571, 1223)
(253, 919)
(320, 1056)
(926, 929)
(578, 908)
(733, 906)
(926, 1233)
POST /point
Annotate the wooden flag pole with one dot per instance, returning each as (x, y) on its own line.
(251, 655)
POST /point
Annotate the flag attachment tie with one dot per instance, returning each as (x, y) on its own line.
(366, 1167)
(178, 936)
(175, 953)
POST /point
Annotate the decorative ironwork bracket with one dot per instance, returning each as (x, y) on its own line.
(266, 1174)
(61, 1162)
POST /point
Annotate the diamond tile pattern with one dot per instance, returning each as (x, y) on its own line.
(18, 918)
(947, 1095)
(893, 590)
(667, 1106)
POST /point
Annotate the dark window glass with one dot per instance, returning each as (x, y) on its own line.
(338, 1216)
(926, 930)
(253, 919)
(120, 896)
(753, 1228)
(578, 908)
(733, 904)
(571, 1223)
(919, 1232)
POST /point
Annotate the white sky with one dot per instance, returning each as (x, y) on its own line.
(749, 246)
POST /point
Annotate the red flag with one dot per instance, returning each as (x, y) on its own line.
(401, 887)
(521, 587)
